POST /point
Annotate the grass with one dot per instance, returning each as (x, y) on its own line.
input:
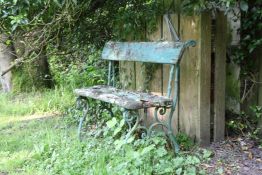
(27, 121)
(35, 102)
(35, 140)
(20, 136)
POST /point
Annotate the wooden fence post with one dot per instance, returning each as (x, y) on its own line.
(220, 76)
(195, 78)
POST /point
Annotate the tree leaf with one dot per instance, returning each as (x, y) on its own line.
(243, 6)
(111, 123)
(179, 171)
(207, 154)
(147, 149)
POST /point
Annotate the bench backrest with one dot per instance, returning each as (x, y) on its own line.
(153, 52)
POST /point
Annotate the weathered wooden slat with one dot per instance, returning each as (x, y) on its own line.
(189, 75)
(220, 77)
(153, 52)
(204, 86)
(195, 78)
(155, 72)
(122, 98)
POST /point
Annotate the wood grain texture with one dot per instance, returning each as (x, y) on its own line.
(163, 52)
(220, 76)
(155, 85)
(204, 87)
(195, 78)
(127, 75)
(123, 98)
(189, 75)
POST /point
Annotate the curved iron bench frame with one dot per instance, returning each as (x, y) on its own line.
(171, 53)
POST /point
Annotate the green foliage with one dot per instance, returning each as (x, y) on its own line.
(69, 25)
(71, 34)
(136, 18)
(28, 78)
(48, 145)
(246, 124)
(55, 150)
(77, 70)
(251, 37)
(185, 142)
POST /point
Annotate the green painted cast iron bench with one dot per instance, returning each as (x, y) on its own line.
(131, 101)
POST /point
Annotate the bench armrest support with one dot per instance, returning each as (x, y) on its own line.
(190, 43)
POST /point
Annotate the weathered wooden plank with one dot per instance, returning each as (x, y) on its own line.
(126, 99)
(153, 72)
(127, 75)
(204, 87)
(195, 78)
(220, 76)
(153, 52)
(189, 73)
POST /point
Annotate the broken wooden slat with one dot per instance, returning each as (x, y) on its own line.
(123, 98)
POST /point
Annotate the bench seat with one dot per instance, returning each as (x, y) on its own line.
(123, 98)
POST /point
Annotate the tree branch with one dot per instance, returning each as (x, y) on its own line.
(18, 61)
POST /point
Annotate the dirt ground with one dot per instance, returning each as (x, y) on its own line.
(236, 156)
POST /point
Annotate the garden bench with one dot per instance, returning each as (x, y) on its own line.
(131, 101)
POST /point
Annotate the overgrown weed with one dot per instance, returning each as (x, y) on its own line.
(30, 145)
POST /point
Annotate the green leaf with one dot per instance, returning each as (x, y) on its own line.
(190, 171)
(178, 162)
(130, 139)
(147, 149)
(58, 3)
(122, 122)
(117, 130)
(220, 171)
(207, 154)
(111, 123)
(8, 42)
(119, 143)
(243, 6)
(179, 171)
(161, 152)
(75, 2)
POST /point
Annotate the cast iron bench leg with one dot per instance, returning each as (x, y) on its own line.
(130, 116)
(82, 103)
(167, 125)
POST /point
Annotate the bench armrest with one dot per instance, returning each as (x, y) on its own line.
(190, 43)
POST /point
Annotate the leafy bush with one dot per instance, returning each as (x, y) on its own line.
(101, 156)
(77, 71)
